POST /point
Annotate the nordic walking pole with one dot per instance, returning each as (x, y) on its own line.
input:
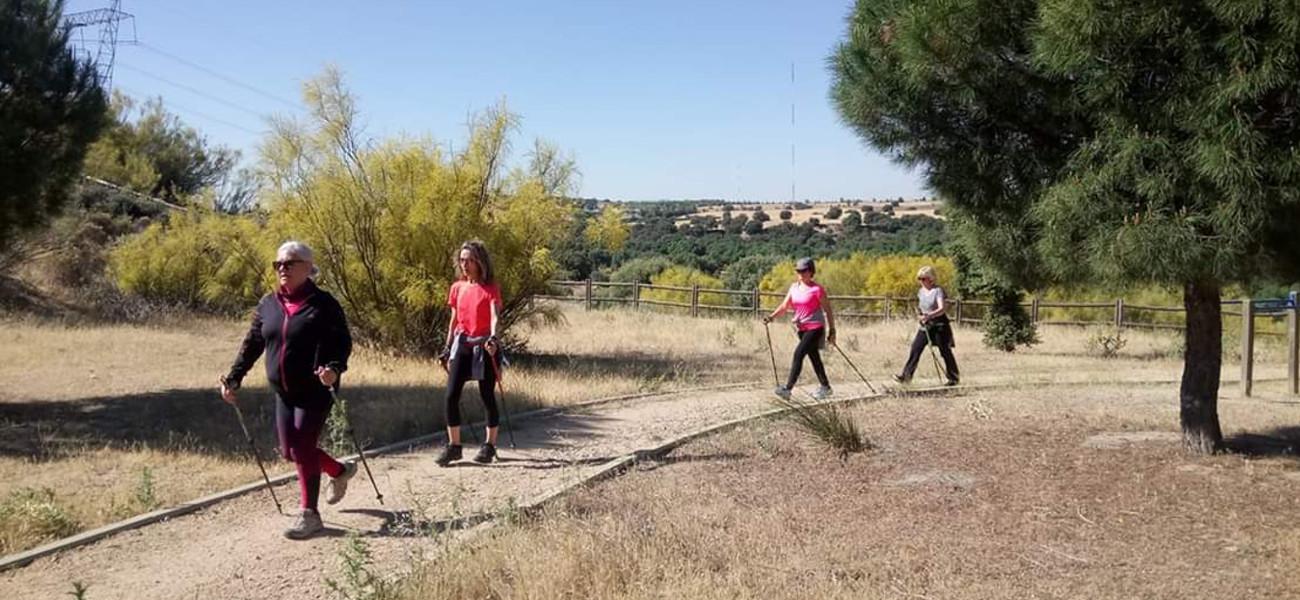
(253, 448)
(352, 433)
(505, 412)
(855, 368)
(771, 353)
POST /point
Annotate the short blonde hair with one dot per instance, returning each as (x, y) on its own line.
(926, 272)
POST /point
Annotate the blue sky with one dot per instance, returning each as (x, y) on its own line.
(660, 99)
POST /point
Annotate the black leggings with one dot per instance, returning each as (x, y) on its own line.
(942, 336)
(810, 342)
(461, 369)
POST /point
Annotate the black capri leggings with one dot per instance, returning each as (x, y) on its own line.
(810, 342)
(460, 370)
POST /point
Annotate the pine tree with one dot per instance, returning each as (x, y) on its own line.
(51, 108)
(1116, 142)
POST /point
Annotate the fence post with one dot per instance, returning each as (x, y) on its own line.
(1119, 314)
(695, 299)
(636, 295)
(957, 306)
(1033, 310)
(588, 294)
(1293, 350)
(1247, 345)
(887, 308)
(758, 298)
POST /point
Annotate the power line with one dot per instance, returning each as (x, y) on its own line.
(201, 115)
(225, 78)
(192, 90)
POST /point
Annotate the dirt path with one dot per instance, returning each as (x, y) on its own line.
(235, 550)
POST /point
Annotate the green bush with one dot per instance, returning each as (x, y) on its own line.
(640, 270)
(745, 274)
(198, 259)
(385, 221)
(30, 516)
(680, 276)
(1007, 325)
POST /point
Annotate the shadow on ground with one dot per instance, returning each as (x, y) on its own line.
(193, 420)
(1280, 442)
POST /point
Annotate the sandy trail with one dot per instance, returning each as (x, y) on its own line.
(235, 550)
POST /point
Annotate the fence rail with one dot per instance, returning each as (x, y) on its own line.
(964, 311)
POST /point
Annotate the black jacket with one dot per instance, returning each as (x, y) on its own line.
(317, 335)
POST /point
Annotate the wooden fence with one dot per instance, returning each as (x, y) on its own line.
(696, 301)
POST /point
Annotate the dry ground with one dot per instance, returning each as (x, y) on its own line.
(128, 416)
(1071, 492)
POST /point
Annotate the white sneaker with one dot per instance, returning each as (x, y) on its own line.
(782, 391)
(822, 392)
(308, 524)
(339, 485)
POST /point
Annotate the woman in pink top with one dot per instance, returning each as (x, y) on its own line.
(814, 323)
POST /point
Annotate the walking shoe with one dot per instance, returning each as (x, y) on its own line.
(449, 453)
(339, 485)
(822, 392)
(486, 453)
(307, 525)
(901, 379)
(950, 383)
(782, 391)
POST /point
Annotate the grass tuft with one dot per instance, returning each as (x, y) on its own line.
(31, 516)
(827, 424)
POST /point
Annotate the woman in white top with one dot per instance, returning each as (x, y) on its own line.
(935, 328)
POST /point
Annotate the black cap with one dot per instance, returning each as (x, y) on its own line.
(804, 264)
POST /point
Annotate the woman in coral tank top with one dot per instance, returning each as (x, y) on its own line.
(471, 349)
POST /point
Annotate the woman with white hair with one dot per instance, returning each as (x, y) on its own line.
(305, 336)
(935, 328)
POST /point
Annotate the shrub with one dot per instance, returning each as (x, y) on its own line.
(680, 276)
(746, 273)
(827, 424)
(1007, 324)
(842, 276)
(198, 259)
(640, 270)
(896, 275)
(30, 516)
(1105, 342)
(384, 219)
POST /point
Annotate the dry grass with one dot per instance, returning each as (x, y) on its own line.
(84, 410)
(986, 496)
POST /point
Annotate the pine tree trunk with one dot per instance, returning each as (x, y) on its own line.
(1199, 394)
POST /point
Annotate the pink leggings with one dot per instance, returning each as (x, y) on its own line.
(299, 429)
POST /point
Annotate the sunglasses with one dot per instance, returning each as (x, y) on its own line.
(285, 264)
